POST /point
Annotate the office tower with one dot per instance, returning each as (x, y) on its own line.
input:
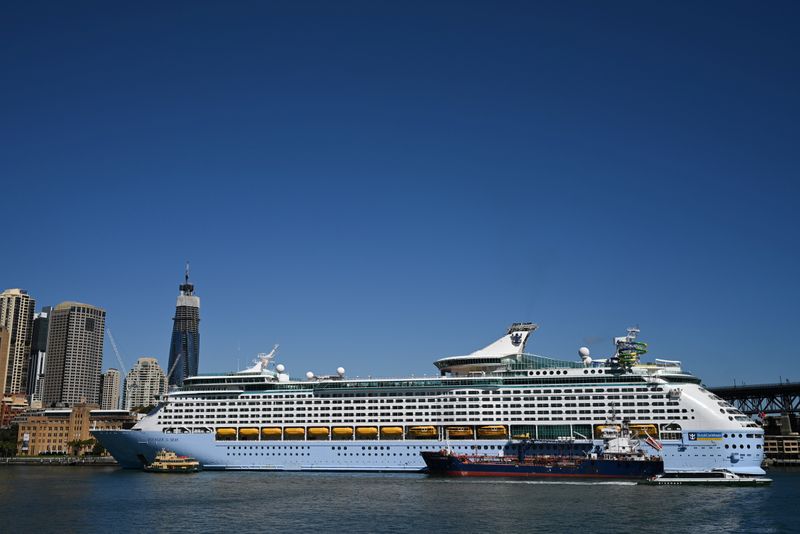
(74, 354)
(184, 350)
(36, 365)
(16, 314)
(144, 384)
(109, 390)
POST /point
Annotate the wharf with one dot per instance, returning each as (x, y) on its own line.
(782, 450)
(92, 461)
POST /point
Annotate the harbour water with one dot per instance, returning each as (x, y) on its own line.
(108, 499)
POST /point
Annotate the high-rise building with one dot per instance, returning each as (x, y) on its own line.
(144, 384)
(16, 314)
(5, 345)
(109, 389)
(38, 358)
(74, 354)
(184, 350)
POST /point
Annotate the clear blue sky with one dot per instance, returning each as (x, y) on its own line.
(376, 184)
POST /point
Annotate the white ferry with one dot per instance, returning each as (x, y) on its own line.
(262, 419)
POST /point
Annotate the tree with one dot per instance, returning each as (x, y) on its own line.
(98, 449)
(75, 446)
(8, 440)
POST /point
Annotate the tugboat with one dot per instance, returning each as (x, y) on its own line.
(714, 478)
(618, 458)
(169, 462)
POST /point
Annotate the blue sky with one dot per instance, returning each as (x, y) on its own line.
(376, 184)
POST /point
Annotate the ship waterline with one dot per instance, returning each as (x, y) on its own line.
(262, 419)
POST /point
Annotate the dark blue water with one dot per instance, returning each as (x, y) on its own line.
(80, 499)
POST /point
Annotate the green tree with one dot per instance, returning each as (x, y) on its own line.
(98, 449)
(74, 446)
(8, 440)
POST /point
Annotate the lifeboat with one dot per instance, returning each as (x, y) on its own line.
(271, 433)
(343, 432)
(492, 431)
(318, 432)
(392, 432)
(600, 429)
(248, 433)
(367, 432)
(423, 432)
(459, 432)
(294, 432)
(226, 433)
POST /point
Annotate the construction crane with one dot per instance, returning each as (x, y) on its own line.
(174, 365)
(116, 351)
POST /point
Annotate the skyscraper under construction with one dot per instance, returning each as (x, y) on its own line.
(184, 350)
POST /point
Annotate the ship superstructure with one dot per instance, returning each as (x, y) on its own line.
(263, 419)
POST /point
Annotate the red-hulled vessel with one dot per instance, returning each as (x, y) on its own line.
(620, 458)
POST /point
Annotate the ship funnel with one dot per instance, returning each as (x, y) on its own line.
(512, 343)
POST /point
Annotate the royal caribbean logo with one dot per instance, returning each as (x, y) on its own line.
(516, 339)
(704, 436)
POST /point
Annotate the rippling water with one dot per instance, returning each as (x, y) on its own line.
(82, 499)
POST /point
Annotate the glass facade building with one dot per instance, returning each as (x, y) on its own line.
(184, 349)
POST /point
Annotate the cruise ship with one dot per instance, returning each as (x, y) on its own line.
(262, 419)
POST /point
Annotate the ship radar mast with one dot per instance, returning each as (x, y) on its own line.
(262, 362)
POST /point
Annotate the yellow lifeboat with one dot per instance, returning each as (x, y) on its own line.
(248, 433)
(367, 432)
(599, 429)
(294, 432)
(423, 432)
(226, 433)
(492, 431)
(392, 432)
(318, 432)
(457, 432)
(271, 433)
(343, 432)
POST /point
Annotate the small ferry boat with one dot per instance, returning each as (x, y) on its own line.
(620, 457)
(715, 477)
(169, 462)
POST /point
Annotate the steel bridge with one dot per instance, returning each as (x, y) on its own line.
(770, 399)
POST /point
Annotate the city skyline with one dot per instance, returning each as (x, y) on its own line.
(372, 192)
